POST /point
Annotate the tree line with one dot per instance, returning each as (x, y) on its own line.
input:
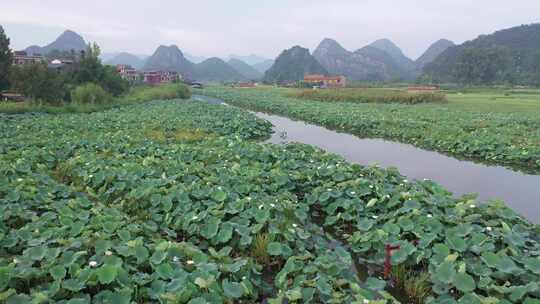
(41, 83)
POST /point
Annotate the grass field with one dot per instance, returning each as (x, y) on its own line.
(473, 99)
(497, 102)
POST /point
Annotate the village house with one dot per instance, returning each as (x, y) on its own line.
(423, 89)
(60, 64)
(326, 81)
(245, 85)
(22, 58)
(161, 77)
(128, 73)
(11, 96)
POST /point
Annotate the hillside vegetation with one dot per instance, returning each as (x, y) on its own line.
(507, 56)
(292, 65)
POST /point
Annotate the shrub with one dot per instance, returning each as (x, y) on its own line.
(170, 91)
(90, 93)
(370, 96)
(38, 83)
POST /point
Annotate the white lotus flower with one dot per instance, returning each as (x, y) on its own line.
(488, 228)
(92, 263)
(295, 225)
(108, 252)
(19, 179)
(472, 206)
(15, 261)
(353, 193)
(375, 217)
(366, 301)
(273, 205)
(190, 262)
(175, 259)
(195, 218)
(429, 215)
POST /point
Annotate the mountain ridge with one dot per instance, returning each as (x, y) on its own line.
(292, 64)
(67, 41)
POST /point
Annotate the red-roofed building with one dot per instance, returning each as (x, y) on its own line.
(161, 77)
(22, 58)
(128, 73)
(326, 81)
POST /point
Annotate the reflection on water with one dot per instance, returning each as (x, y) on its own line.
(520, 191)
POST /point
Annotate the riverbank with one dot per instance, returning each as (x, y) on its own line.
(508, 139)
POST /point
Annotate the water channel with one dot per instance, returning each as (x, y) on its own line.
(520, 191)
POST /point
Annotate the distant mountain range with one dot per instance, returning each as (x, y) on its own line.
(357, 66)
(67, 41)
(507, 56)
(250, 59)
(216, 70)
(126, 58)
(389, 47)
(292, 65)
(194, 59)
(209, 70)
(248, 71)
(433, 52)
(262, 67)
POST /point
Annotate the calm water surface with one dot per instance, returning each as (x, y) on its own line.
(520, 191)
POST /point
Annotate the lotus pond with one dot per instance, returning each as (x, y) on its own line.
(179, 202)
(509, 139)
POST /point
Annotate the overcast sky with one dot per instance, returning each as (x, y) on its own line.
(265, 27)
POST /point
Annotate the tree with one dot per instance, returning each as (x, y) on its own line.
(6, 59)
(91, 70)
(38, 82)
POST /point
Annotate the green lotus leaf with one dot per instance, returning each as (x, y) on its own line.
(5, 277)
(365, 224)
(323, 286)
(225, 233)
(445, 272)
(375, 284)
(36, 253)
(219, 195)
(232, 289)
(158, 257)
(491, 259)
(141, 253)
(211, 228)
(274, 248)
(464, 282)
(165, 271)
(533, 264)
(456, 243)
(58, 272)
(107, 274)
